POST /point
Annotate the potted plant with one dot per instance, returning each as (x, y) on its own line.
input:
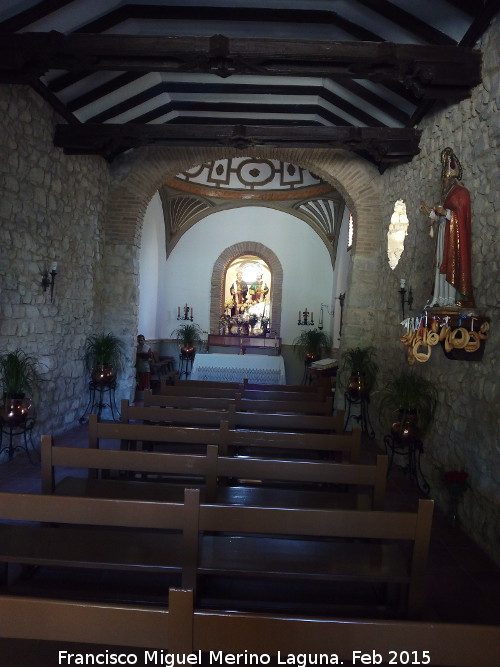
(19, 376)
(361, 368)
(409, 401)
(103, 357)
(188, 336)
(311, 345)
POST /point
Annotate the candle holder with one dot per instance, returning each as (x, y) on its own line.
(48, 280)
(305, 321)
(402, 293)
(186, 316)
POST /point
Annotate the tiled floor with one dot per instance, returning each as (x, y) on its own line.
(463, 584)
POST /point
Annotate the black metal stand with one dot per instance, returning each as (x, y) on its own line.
(186, 364)
(97, 402)
(13, 429)
(411, 450)
(362, 417)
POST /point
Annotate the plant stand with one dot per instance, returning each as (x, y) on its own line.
(186, 364)
(98, 393)
(360, 404)
(411, 450)
(13, 429)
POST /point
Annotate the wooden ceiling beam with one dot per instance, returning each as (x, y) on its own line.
(430, 71)
(383, 145)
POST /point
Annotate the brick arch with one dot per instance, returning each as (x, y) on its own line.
(135, 179)
(221, 264)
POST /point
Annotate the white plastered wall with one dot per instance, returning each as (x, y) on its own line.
(307, 269)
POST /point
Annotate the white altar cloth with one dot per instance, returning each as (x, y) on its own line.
(256, 368)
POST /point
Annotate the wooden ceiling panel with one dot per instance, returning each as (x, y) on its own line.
(269, 67)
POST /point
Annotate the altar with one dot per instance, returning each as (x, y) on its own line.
(256, 368)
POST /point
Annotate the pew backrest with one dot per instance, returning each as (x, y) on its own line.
(229, 399)
(86, 532)
(182, 628)
(199, 416)
(188, 402)
(217, 523)
(171, 416)
(302, 423)
(151, 433)
(240, 386)
(346, 444)
(208, 470)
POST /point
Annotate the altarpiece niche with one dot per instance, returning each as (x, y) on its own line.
(247, 297)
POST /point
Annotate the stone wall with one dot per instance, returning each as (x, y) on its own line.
(51, 208)
(467, 426)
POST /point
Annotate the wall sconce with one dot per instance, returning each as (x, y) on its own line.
(402, 292)
(320, 323)
(48, 279)
(306, 321)
(341, 298)
(186, 315)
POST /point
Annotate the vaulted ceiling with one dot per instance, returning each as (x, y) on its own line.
(354, 74)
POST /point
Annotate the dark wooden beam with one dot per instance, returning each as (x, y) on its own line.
(430, 71)
(383, 145)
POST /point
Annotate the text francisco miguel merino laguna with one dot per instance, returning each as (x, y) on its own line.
(160, 657)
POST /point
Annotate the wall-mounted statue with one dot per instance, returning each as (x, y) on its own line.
(451, 227)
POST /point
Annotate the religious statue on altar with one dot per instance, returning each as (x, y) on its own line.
(450, 225)
(239, 291)
(258, 289)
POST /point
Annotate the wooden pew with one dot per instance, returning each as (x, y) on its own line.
(287, 422)
(232, 542)
(241, 404)
(133, 471)
(209, 388)
(171, 416)
(249, 420)
(329, 547)
(183, 629)
(151, 435)
(188, 402)
(95, 533)
(348, 445)
(240, 386)
(264, 482)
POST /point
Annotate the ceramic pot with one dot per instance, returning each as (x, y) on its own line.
(103, 375)
(406, 429)
(188, 351)
(357, 387)
(15, 409)
(310, 357)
